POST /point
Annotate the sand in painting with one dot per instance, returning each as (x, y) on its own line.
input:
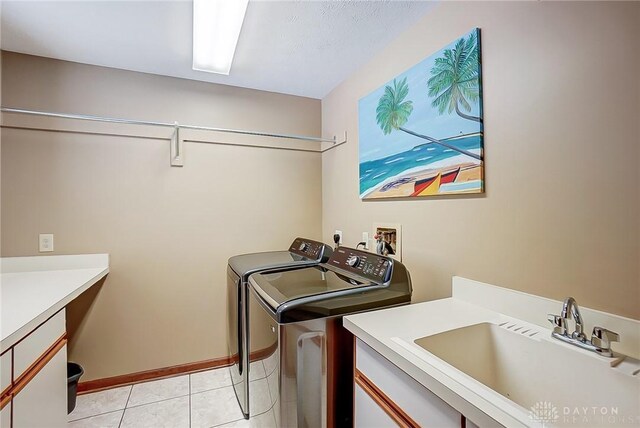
(469, 172)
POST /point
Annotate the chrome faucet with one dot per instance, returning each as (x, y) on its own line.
(570, 304)
(601, 338)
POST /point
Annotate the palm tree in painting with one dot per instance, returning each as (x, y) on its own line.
(455, 79)
(393, 112)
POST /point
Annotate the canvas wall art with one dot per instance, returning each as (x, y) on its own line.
(421, 133)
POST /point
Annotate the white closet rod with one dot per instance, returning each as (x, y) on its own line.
(176, 142)
(165, 124)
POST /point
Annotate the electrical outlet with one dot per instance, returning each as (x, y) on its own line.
(338, 232)
(46, 242)
(365, 239)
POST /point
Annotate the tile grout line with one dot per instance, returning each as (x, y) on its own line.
(154, 402)
(150, 402)
(125, 407)
(217, 387)
(157, 401)
(94, 416)
(225, 423)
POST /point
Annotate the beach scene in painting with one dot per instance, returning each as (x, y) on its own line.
(421, 133)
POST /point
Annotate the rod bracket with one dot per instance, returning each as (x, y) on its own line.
(177, 153)
(344, 139)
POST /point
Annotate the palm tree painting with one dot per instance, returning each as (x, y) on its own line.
(455, 79)
(422, 133)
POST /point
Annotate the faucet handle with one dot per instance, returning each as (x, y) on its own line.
(603, 338)
(559, 323)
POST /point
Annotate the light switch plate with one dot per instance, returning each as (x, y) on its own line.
(46, 242)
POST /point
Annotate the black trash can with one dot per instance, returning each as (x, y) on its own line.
(74, 371)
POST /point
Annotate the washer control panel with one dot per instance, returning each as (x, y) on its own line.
(310, 249)
(362, 263)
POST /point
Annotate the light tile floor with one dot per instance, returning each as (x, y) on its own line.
(199, 400)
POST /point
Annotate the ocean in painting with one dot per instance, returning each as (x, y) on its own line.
(382, 171)
(421, 134)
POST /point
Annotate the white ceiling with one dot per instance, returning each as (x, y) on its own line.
(296, 47)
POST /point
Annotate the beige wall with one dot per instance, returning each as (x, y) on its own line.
(169, 231)
(561, 213)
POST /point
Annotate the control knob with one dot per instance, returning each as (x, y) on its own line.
(353, 261)
(303, 247)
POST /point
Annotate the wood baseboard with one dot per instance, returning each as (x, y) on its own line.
(131, 378)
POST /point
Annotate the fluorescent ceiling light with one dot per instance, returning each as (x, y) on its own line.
(216, 29)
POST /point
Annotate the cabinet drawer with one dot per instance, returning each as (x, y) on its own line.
(40, 400)
(5, 371)
(420, 404)
(35, 345)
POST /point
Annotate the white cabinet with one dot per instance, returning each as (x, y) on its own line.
(398, 395)
(35, 345)
(34, 371)
(368, 412)
(35, 292)
(5, 371)
(5, 414)
(42, 402)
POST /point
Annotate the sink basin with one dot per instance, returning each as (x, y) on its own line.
(534, 372)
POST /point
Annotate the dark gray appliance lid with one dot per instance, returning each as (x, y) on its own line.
(351, 281)
(278, 288)
(302, 252)
(245, 264)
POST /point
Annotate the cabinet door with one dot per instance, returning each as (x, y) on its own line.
(420, 404)
(5, 415)
(368, 413)
(5, 371)
(42, 402)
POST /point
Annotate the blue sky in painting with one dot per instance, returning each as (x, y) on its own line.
(424, 119)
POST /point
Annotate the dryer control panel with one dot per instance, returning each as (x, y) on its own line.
(310, 249)
(362, 263)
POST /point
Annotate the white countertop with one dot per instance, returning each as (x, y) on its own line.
(34, 288)
(391, 332)
(388, 330)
